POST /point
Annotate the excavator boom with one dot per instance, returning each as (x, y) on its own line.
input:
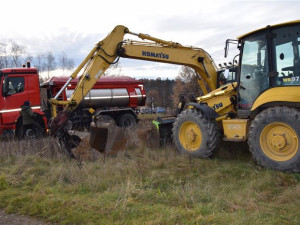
(174, 53)
(108, 51)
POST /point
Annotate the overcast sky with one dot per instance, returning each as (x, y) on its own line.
(74, 26)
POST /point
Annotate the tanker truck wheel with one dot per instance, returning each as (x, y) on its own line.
(274, 139)
(195, 134)
(126, 120)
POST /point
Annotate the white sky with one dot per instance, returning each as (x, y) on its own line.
(73, 26)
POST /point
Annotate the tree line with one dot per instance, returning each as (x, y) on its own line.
(166, 93)
(14, 55)
(159, 92)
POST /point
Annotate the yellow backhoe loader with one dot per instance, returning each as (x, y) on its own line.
(261, 107)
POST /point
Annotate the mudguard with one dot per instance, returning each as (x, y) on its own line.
(208, 112)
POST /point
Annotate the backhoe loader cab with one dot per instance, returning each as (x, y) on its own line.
(269, 59)
(262, 107)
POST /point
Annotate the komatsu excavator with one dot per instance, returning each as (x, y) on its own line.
(103, 55)
(262, 106)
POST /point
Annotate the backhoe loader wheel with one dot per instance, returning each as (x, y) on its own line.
(274, 139)
(195, 134)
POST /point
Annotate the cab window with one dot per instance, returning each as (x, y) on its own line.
(254, 70)
(287, 61)
(231, 76)
(15, 85)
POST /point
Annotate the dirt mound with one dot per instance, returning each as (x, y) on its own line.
(141, 136)
(84, 152)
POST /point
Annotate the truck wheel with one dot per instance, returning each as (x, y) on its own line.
(195, 134)
(126, 120)
(30, 132)
(274, 139)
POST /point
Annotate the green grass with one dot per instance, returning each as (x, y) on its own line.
(144, 186)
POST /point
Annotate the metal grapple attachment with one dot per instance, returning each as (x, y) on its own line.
(106, 136)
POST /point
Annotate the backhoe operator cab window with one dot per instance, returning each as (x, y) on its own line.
(226, 76)
(254, 70)
(287, 62)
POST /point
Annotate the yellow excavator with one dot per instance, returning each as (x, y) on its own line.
(262, 106)
(106, 53)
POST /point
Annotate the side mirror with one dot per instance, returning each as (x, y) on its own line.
(226, 48)
(5, 88)
(229, 41)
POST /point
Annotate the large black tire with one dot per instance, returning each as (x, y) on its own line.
(126, 120)
(195, 134)
(274, 139)
(32, 131)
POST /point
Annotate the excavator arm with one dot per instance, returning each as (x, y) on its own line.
(108, 51)
(94, 65)
(173, 53)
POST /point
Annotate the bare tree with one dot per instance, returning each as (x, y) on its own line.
(153, 99)
(185, 83)
(40, 62)
(50, 63)
(16, 53)
(65, 63)
(4, 62)
(28, 58)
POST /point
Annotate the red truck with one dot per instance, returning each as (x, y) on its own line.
(117, 97)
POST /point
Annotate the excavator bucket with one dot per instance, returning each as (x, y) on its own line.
(106, 136)
(164, 125)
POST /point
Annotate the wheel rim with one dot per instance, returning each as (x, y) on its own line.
(279, 141)
(190, 136)
(30, 133)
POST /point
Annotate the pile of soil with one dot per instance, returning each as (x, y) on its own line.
(143, 135)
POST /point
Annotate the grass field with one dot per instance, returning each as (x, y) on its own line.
(145, 186)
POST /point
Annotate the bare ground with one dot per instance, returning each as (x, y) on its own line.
(15, 219)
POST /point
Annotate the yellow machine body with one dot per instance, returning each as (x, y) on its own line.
(287, 94)
(221, 100)
(235, 129)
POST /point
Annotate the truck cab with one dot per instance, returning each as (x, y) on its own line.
(18, 85)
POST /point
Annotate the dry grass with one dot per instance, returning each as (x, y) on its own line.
(142, 185)
(47, 147)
